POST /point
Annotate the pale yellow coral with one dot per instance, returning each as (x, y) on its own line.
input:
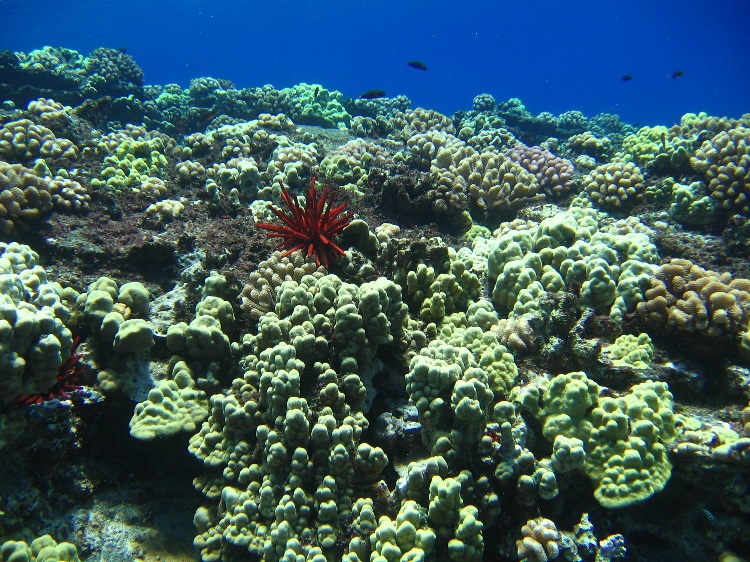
(23, 140)
(615, 186)
(258, 296)
(50, 113)
(540, 541)
(412, 121)
(725, 161)
(686, 297)
(24, 196)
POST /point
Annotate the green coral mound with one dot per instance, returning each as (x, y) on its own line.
(357, 318)
(626, 453)
(692, 205)
(405, 538)
(283, 449)
(349, 165)
(455, 379)
(623, 439)
(312, 104)
(570, 249)
(132, 162)
(635, 351)
(659, 148)
(174, 405)
(42, 549)
(442, 293)
(34, 339)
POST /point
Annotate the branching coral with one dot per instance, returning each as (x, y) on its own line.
(540, 541)
(590, 144)
(349, 165)
(621, 441)
(413, 121)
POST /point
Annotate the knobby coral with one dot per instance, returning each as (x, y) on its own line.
(69, 376)
(312, 228)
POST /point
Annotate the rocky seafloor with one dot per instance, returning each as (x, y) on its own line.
(535, 346)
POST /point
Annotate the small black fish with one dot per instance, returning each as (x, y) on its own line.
(207, 116)
(627, 77)
(417, 64)
(123, 50)
(372, 94)
(316, 92)
(677, 74)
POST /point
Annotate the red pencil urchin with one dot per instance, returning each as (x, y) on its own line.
(311, 229)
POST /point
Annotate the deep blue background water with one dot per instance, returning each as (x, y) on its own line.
(554, 55)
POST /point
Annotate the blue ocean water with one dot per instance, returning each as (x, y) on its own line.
(555, 56)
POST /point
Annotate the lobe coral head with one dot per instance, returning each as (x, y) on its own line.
(311, 229)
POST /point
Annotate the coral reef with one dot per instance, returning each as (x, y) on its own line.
(724, 161)
(615, 186)
(554, 174)
(513, 336)
(34, 338)
(685, 297)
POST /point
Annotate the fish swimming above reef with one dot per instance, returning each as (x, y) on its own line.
(627, 77)
(677, 74)
(372, 94)
(417, 64)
